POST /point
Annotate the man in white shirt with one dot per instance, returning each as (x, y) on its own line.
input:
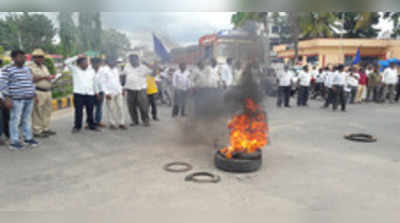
(352, 82)
(205, 84)
(181, 84)
(329, 94)
(136, 84)
(84, 92)
(319, 84)
(304, 85)
(226, 74)
(99, 82)
(114, 96)
(389, 79)
(339, 83)
(285, 79)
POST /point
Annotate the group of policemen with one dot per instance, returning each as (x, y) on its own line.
(339, 85)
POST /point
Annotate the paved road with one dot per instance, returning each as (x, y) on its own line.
(310, 173)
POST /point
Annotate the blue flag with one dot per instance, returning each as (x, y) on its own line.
(357, 59)
(160, 50)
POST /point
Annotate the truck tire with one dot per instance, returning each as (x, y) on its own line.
(237, 165)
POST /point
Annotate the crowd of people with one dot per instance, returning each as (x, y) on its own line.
(339, 85)
(101, 84)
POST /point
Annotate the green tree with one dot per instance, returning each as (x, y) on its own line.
(282, 22)
(318, 25)
(68, 36)
(359, 24)
(114, 43)
(395, 18)
(90, 29)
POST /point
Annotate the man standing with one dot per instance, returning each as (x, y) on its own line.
(181, 85)
(389, 79)
(136, 84)
(339, 83)
(99, 82)
(285, 78)
(330, 74)
(374, 81)
(17, 84)
(152, 90)
(205, 83)
(226, 74)
(42, 110)
(304, 83)
(114, 96)
(352, 82)
(84, 92)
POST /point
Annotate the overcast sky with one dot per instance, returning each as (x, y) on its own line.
(181, 27)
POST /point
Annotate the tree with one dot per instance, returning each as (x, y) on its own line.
(318, 25)
(240, 18)
(281, 21)
(394, 17)
(359, 24)
(67, 34)
(90, 29)
(114, 43)
(295, 32)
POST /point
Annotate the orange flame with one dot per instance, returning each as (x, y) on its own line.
(248, 131)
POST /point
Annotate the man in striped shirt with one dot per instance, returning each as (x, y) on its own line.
(16, 83)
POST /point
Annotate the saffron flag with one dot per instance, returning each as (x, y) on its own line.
(160, 50)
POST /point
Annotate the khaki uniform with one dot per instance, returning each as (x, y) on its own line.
(42, 111)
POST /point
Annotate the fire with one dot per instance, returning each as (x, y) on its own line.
(248, 131)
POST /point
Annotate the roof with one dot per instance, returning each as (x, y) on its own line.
(334, 42)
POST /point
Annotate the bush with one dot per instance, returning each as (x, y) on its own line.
(49, 63)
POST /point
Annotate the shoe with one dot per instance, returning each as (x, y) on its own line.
(75, 131)
(343, 110)
(50, 133)
(288, 106)
(123, 127)
(156, 119)
(113, 127)
(134, 124)
(101, 125)
(97, 129)
(33, 143)
(146, 124)
(41, 135)
(16, 146)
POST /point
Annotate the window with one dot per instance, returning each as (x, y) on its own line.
(312, 59)
(348, 60)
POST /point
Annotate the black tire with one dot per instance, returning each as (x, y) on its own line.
(249, 156)
(237, 165)
(361, 137)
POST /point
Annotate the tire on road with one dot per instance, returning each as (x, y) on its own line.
(361, 137)
(237, 165)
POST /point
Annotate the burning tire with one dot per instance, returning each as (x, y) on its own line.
(244, 163)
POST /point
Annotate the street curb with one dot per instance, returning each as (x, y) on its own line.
(62, 103)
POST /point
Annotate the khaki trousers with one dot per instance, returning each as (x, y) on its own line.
(41, 114)
(114, 110)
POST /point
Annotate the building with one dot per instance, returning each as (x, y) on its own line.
(323, 52)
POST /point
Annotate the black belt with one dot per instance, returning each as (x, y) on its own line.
(41, 89)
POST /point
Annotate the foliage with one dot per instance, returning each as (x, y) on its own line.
(318, 25)
(27, 31)
(114, 43)
(282, 22)
(63, 86)
(90, 30)
(394, 17)
(49, 63)
(68, 46)
(359, 24)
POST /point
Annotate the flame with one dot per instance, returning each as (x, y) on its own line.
(248, 131)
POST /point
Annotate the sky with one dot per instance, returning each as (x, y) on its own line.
(184, 28)
(180, 28)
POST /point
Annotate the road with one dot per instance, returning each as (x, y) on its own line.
(310, 173)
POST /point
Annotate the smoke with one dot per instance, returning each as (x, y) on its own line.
(211, 110)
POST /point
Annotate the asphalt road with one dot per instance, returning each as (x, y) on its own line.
(310, 173)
